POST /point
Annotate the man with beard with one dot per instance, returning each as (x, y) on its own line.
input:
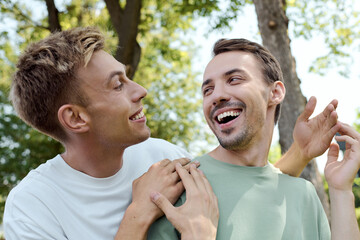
(69, 88)
(242, 92)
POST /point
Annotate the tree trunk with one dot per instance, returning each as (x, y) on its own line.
(273, 26)
(53, 18)
(126, 22)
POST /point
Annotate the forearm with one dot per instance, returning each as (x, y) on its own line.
(134, 225)
(292, 162)
(343, 219)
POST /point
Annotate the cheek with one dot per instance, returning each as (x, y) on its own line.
(206, 108)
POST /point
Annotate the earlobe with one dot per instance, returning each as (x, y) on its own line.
(73, 118)
(277, 93)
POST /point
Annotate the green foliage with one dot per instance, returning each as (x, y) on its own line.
(356, 188)
(173, 104)
(357, 213)
(356, 191)
(335, 21)
(275, 153)
(171, 88)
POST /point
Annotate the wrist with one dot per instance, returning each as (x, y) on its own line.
(296, 150)
(341, 193)
(340, 197)
(134, 224)
(203, 232)
(293, 161)
(138, 216)
(198, 236)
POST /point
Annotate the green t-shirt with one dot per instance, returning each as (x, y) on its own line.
(257, 203)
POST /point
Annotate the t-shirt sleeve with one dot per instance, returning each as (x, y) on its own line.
(323, 228)
(18, 230)
(26, 218)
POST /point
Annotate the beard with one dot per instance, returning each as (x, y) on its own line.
(240, 141)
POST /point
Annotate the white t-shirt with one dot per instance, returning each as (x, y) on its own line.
(55, 201)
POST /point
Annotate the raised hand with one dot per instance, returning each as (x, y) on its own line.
(198, 217)
(340, 176)
(313, 136)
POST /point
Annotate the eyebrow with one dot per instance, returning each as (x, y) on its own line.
(206, 82)
(235, 70)
(228, 73)
(112, 74)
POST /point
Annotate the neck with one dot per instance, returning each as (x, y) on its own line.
(94, 159)
(248, 157)
(255, 154)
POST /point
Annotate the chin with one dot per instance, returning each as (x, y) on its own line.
(137, 140)
(144, 136)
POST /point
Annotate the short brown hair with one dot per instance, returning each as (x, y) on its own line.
(270, 66)
(46, 77)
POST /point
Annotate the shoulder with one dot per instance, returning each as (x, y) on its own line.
(153, 143)
(27, 215)
(27, 202)
(156, 148)
(33, 187)
(300, 186)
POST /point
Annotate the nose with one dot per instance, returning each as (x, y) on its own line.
(219, 95)
(138, 93)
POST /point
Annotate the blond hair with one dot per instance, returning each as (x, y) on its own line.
(46, 77)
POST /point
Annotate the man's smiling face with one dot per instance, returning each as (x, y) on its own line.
(235, 98)
(115, 108)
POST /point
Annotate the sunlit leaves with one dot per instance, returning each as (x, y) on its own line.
(274, 153)
(335, 21)
(173, 105)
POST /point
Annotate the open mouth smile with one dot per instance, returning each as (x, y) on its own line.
(227, 116)
(137, 116)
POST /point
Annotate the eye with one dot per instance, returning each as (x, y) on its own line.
(235, 80)
(207, 91)
(118, 85)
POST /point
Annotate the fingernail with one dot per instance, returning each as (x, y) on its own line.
(178, 164)
(196, 162)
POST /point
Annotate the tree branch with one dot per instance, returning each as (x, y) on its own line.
(126, 24)
(116, 14)
(53, 18)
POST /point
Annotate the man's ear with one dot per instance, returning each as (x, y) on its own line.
(277, 94)
(73, 118)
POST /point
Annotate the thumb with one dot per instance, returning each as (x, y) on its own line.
(162, 202)
(309, 109)
(333, 153)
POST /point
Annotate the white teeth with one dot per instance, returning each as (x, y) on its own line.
(226, 114)
(138, 116)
